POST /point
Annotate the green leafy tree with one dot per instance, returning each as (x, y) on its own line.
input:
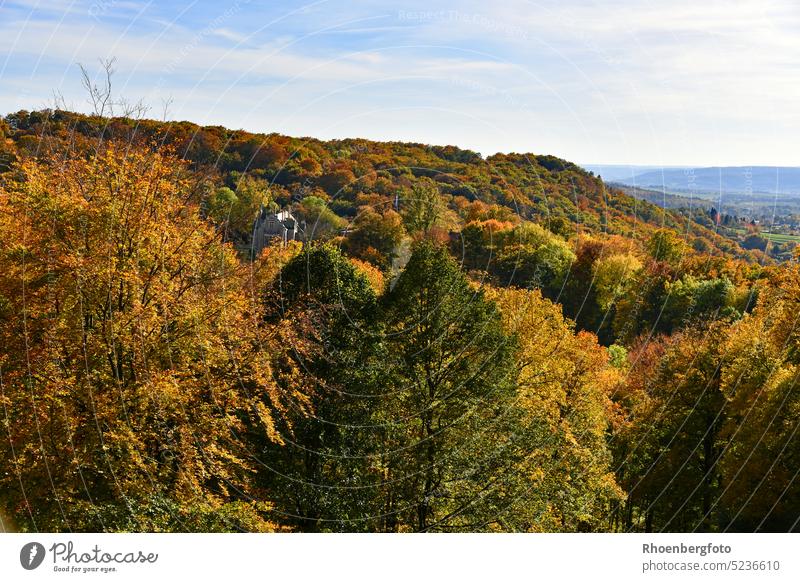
(376, 236)
(449, 399)
(324, 312)
(422, 207)
(665, 245)
(671, 471)
(534, 257)
(321, 222)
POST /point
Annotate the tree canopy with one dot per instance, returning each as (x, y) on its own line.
(455, 343)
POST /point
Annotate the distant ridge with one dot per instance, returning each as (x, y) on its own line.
(623, 172)
(739, 179)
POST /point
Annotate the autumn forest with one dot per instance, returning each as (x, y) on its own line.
(453, 343)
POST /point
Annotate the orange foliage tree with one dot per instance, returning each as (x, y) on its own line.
(132, 357)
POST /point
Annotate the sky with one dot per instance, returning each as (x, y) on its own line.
(608, 82)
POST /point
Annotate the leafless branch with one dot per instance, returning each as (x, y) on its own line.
(100, 95)
(165, 105)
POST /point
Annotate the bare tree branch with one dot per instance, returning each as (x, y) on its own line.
(100, 95)
(165, 105)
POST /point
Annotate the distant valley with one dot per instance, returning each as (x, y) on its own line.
(705, 182)
(753, 205)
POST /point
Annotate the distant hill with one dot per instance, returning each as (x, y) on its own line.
(349, 176)
(624, 172)
(734, 179)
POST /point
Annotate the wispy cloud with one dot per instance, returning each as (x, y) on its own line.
(230, 35)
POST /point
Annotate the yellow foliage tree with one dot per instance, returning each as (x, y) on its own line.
(132, 358)
(563, 384)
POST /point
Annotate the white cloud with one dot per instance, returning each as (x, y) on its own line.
(619, 80)
(230, 35)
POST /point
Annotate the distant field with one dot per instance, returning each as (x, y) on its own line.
(773, 237)
(781, 238)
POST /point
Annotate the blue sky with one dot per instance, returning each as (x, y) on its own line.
(619, 81)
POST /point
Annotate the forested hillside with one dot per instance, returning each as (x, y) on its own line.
(458, 344)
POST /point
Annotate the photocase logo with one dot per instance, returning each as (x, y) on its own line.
(31, 555)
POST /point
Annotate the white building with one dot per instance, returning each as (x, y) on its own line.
(271, 225)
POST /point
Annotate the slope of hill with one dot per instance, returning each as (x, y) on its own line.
(346, 175)
(664, 199)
